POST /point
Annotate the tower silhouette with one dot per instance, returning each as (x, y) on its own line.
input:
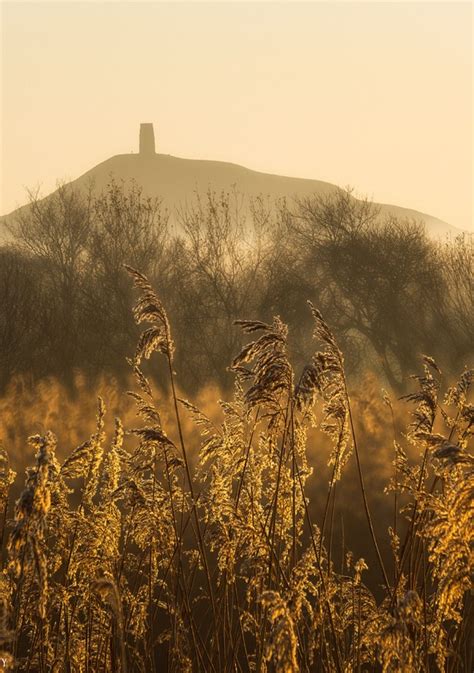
(147, 140)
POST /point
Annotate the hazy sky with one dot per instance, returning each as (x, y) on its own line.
(374, 95)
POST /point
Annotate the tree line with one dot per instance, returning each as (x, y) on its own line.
(388, 291)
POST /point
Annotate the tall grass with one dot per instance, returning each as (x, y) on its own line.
(135, 554)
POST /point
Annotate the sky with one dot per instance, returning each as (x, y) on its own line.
(373, 95)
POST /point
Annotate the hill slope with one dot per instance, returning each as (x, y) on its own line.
(176, 180)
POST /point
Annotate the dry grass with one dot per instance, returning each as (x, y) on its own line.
(132, 553)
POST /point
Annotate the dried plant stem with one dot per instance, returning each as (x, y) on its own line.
(364, 495)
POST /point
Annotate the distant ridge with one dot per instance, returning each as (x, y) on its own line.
(176, 180)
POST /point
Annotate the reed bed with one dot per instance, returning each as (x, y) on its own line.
(138, 553)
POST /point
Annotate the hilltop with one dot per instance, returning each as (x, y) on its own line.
(176, 180)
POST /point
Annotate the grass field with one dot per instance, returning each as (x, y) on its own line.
(192, 543)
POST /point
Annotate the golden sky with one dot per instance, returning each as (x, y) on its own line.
(376, 95)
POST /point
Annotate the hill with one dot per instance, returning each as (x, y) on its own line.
(177, 180)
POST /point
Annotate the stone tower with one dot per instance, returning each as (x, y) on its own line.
(147, 140)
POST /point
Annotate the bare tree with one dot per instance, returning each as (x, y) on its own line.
(218, 277)
(22, 317)
(55, 231)
(377, 276)
(455, 308)
(127, 228)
